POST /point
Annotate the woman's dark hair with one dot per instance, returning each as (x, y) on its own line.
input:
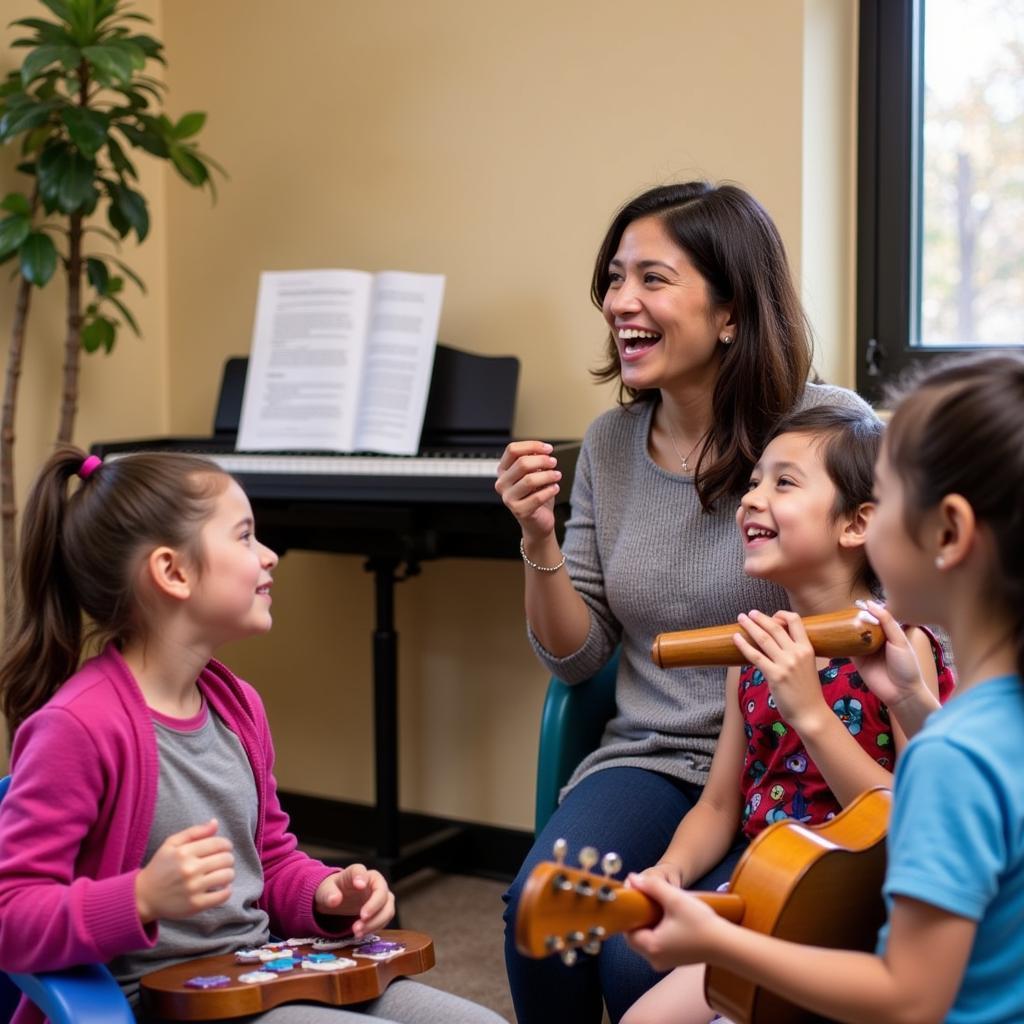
(849, 440)
(734, 245)
(80, 555)
(958, 428)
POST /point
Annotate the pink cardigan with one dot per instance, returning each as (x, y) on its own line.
(76, 819)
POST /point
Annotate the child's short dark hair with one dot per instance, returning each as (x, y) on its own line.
(850, 440)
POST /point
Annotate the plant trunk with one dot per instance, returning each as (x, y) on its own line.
(73, 341)
(8, 503)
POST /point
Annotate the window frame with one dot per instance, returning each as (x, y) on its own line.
(889, 199)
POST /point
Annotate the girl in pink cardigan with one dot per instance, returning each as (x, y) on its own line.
(142, 825)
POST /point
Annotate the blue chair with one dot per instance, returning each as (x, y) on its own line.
(78, 995)
(571, 725)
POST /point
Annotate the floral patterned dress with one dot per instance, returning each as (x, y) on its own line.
(779, 779)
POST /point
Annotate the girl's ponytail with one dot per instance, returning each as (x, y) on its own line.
(81, 545)
(46, 639)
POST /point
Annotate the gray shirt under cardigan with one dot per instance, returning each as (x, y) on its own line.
(647, 559)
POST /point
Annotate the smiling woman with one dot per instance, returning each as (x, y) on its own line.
(711, 349)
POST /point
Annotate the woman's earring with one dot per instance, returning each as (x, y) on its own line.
(940, 561)
(726, 339)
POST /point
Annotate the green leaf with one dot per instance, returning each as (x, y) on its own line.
(148, 45)
(118, 160)
(128, 272)
(48, 31)
(109, 63)
(43, 56)
(38, 258)
(87, 128)
(59, 7)
(98, 333)
(126, 313)
(13, 231)
(25, 117)
(99, 276)
(190, 167)
(133, 207)
(118, 221)
(17, 203)
(76, 191)
(144, 140)
(189, 125)
(51, 168)
(133, 54)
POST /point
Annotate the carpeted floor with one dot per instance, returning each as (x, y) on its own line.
(463, 916)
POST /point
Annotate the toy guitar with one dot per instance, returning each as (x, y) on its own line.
(841, 634)
(814, 884)
(165, 994)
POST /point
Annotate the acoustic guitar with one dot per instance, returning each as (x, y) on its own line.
(844, 634)
(164, 993)
(820, 885)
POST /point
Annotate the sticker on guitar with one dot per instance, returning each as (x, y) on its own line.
(814, 884)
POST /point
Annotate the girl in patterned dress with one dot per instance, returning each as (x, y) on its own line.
(802, 736)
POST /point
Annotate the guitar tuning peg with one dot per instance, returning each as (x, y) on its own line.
(554, 943)
(568, 957)
(588, 857)
(592, 948)
(560, 850)
(611, 864)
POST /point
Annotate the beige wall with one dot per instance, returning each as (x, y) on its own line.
(491, 143)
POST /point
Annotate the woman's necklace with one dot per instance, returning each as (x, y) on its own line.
(683, 459)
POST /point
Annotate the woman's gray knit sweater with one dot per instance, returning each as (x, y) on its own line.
(646, 559)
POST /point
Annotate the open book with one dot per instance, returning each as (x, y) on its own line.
(340, 361)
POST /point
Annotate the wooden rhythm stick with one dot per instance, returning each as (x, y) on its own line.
(842, 634)
(164, 993)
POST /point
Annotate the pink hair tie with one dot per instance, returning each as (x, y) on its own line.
(89, 466)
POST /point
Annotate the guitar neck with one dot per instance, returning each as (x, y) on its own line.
(566, 908)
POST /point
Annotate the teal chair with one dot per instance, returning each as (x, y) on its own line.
(77, 995)
(571, 725)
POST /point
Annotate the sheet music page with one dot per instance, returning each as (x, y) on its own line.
(405, 312)
(306, 362)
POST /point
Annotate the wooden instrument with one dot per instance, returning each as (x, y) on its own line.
(819, 885)
(842, 634)
(164, 994)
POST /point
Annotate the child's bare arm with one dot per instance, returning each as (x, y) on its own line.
(915, 980)
(706, 833)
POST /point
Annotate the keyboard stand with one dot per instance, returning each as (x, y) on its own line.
(392, 860)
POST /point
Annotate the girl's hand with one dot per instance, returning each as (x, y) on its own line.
(528, 480)
(671, 873)
(192, 871)
(786, 659)
(359, 893)
(893, 672)
(682, 935)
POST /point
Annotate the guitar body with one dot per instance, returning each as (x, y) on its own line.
(818, 885)
(163, 993)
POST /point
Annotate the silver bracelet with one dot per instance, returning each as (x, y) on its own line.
(534, 565)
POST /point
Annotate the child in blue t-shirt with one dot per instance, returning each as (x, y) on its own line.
(946, 543)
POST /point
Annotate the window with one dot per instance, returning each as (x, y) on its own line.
(940, 262)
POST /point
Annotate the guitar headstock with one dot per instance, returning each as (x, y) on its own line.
(564, 909)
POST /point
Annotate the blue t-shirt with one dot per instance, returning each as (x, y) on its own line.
(956, 840)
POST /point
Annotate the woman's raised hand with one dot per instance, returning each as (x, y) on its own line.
(528, 481)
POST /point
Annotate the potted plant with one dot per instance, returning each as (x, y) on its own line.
(81, 102)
